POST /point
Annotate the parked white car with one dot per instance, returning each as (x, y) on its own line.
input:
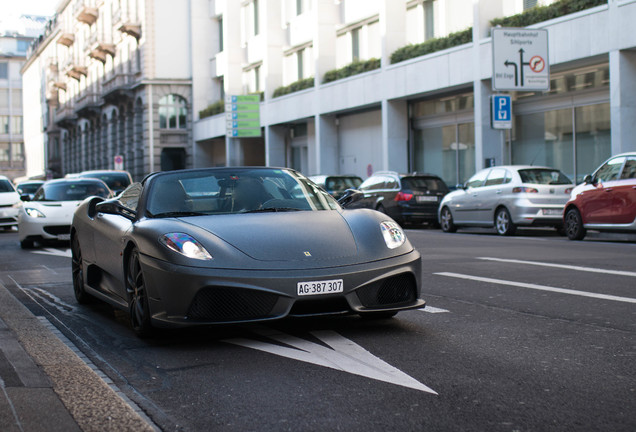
(507, 197)
(49, 215)
(9, 204)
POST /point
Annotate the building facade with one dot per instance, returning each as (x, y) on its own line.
(16, 34)
(427, 113)
(111, 80)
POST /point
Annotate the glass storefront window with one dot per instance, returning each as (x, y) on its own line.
(593, 138)
(594, 77)
(548, 139)
(443, 106)
(447, 151)
(545, 139)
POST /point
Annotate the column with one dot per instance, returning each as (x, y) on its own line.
(395, 135)
(326, 146)
(623, 100)
(275, 146)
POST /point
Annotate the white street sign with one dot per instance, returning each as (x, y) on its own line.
(520, 59)
(119, 162)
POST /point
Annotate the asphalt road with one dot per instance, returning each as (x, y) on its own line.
(532, 332)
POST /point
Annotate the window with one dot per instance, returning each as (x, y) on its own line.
(610, 170)
(527, 4)
(16, 98)
(4, 70)
(4, 98)
(4, 124)
(429, 20)
(255, 7)
(172, 112)
(16, 125)
(497, 176)
(130, 197)
(5, 152)
(17, 151)
(355, 44)
(300, 58)
(257, 78)
(477, 180)
(23, 46)
(299, 7)
(629, 170)
(220, 34)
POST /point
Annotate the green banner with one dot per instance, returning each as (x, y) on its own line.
(244, 133)
(254, 98)
(246, 115)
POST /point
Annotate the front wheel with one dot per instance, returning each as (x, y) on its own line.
(446, 219)
(503, 223)
(138, 306)
(26, 244)
(574, 225)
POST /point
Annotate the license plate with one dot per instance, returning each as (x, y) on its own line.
(425, 198)
(320, 287)
(64, 237)
(552, 212)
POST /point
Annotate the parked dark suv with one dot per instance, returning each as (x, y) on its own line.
(407, 198)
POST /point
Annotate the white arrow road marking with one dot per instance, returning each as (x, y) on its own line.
(344, 355)
(431, 309)
(563, 266)
(54, 252)
(540, 287)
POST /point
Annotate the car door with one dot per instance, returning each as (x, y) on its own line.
(109, 236)
(597, 202)
(624, 194)
(490, 194)
(466, 206)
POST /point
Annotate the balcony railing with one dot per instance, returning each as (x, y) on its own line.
(117, 85)
(87, 104)
(65, 114)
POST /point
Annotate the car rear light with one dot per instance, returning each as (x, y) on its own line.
(401, 196)
(526, 189)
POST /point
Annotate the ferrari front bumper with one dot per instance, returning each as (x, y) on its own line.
(181, 295)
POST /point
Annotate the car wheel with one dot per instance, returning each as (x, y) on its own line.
(138, 306)
(503, 223)
(26, 244)
(77, 269)
(378, 315)
(447, 221)
(574, 225)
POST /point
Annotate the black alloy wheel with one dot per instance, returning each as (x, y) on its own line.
(138, 306)
(77, 269)
(447, 221)
(574, 225)
(503, 223)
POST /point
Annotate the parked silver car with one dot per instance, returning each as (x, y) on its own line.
(506, 197)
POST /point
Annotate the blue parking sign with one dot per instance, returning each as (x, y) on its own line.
(501, 112)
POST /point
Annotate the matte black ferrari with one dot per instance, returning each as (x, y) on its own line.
(232, 245)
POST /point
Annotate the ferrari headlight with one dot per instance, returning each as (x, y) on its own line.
(393, 235)
(35, 213)
(185, 245)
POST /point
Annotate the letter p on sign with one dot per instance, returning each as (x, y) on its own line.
(501, 112)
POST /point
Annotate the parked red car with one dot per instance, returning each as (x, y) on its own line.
(605, 201)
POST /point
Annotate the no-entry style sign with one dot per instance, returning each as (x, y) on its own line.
(520, 59)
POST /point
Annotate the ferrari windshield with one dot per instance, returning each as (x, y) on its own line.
(234, 190)
(71, 190)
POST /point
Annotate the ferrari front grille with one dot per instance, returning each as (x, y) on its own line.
(223, 304)
(57, 229)
(393, 291)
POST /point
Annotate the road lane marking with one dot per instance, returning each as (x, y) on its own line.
(342, 354)
(54, 252)
(431, 309)
(539, 287)
(563, 266)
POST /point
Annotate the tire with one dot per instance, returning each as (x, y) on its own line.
(446, 219)
(77, 269)
(378, 315)
(138, 307)
(503, 223)
(574, 225)
(26, 244)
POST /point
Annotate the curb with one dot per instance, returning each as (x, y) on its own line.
(92, 403)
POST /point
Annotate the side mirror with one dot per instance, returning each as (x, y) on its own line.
(588, 179)
(25, 197)
(114, 207)
(349, 197)
(460, 186)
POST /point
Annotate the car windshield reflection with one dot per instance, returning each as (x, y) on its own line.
(234, 191)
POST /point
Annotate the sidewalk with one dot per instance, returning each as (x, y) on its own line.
(45, 386)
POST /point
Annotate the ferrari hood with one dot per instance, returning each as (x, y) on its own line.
(315, 236)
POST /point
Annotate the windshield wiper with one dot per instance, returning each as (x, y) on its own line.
(272, 209)
(180, 214)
